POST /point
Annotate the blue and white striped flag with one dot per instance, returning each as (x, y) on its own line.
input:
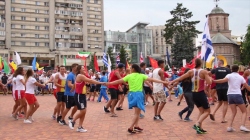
(105, 60)
(207, 49)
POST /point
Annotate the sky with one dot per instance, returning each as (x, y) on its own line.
(120, 15)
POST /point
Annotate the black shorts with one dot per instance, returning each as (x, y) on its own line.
(114, 93)
(200, 99)
(60, 97)
(147, 90)
(248, 93)
(80, 100)
(98, 88)
(125, 90)
(69, 101)
(222, 94)
(92, 89)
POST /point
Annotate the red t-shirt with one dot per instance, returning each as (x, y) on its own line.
(166, 75)
(213, 84)
(113, 77)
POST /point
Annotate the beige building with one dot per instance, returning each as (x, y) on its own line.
(51, 29)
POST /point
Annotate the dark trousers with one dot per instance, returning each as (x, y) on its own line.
(189, 99)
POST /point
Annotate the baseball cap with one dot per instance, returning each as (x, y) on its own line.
(147, 69)
(120, 65)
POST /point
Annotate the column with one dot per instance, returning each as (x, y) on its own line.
(52, 24)
(8, 23)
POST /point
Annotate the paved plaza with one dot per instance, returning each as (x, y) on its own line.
(101, 126)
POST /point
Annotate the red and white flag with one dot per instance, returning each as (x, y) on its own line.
(141, 58)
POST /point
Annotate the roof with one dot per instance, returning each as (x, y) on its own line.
(217, 10)
(220, 39)
(137, 24)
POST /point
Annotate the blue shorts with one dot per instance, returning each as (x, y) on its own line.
(235, 99)
(136, 99)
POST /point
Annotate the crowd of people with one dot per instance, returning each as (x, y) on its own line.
(200, 87)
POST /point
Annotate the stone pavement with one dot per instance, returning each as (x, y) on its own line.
(101, 126)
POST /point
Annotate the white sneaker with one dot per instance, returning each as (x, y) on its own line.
(230, 129)
(31, 119)
(147, 103)
(81, 130)
(71, 124)
(243, 128)
(27, 121)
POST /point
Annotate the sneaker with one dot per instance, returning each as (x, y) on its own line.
(243, 128)
(31, 119)
(198, 129)
(156, 118)
(230, 129)
(187, 120)
(105, 110)
(70, 118)
(58, 118)
(203, 131)
(142, 116)
(178, 103)
(146, 103)
(160, 118)
(27, 121)
(131, 131)
(92, 100)
(88, 99)
(53, 117)
(180, 115)
(15, 117)
(81, 129)
(62, 122)
(71, 124)
(138, 129)
(119, 108)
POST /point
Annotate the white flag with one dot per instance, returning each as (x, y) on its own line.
(109, 64)
(18, 59)
(207, 49)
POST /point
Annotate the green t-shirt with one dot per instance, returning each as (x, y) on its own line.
(135, 81)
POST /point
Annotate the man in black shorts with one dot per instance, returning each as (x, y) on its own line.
(148, 87)
(221, 89)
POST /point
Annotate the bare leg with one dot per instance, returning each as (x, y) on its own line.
(156, 108)
(244, 114)
(36, 104)
(112, 111)
(83, 113)
(234, 111)
(203, 116)
(217, 107)
(29, 111)
(135, 119)
(73, 111)
(160, 108)
(224, 112)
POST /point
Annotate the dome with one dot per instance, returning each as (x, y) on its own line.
(217, 10)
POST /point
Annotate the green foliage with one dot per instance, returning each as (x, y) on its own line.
(91, 63)
(179, 32)
(122, 55)
(111, 56)
(238, 63)
(166, 68)
(246, 47)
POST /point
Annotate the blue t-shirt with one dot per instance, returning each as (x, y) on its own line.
(104, 79)
(71, 77)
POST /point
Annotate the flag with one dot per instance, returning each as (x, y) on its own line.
(1, 65)
(6, 67)
(193, 60)
(82, 55)
(153, 62)
(141, 58)
(96, 64)
(127, 65)
(117, 59)
(34, 63)
(64, 61)
(18, 59)
(37, 67)
(109, 64)
(215, 61)
(104, 59)
(168, 58)
(207, 49)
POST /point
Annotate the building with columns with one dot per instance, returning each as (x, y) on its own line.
(223, 43)
(51, 30)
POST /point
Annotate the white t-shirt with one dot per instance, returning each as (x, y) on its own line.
(234, 83)
(30, 86)
(19, 84)
(150, 76)
(13, 83)
(157, 87)
(53, 78)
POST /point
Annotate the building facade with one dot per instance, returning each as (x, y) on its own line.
(52, 30)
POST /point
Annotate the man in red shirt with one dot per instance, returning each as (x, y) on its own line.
(113, 89)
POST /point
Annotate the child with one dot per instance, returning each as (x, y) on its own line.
(180, 91)
(103, 91)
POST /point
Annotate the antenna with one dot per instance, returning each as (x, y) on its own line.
(216, 2)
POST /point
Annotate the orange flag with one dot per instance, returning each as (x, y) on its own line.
(153, 62)
(96, 64)
(127, 65)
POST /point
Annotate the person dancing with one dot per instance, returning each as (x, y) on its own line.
(199, 76)
(135, 96)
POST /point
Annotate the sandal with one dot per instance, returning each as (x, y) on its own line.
(212, 117)
(113, 115)
(224, 121)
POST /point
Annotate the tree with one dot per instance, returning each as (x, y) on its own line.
(179, 33)
(122, 55)
(91, 63)
(246, 47)
(111, 56)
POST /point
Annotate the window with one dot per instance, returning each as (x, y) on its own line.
(89, 46)
(12, 17)
(37, 27)
(2, 33)
(37, 3)
(12, 26)
(46, 27)
(13, 43)
(36, 35)
(23, 1)
(46, 4)
(2, 25)
(97, 38)
(46, 20)
(47, 44)
(96, 1)
(12, 1)
(36, 43)
(23, 9)
(46, 36)
(23, 26)
(36, 11)
(12, 8)
(22, 35)
(88, 1)
(23, 18)
(36, 19)
(46, 12)
(23, 43)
